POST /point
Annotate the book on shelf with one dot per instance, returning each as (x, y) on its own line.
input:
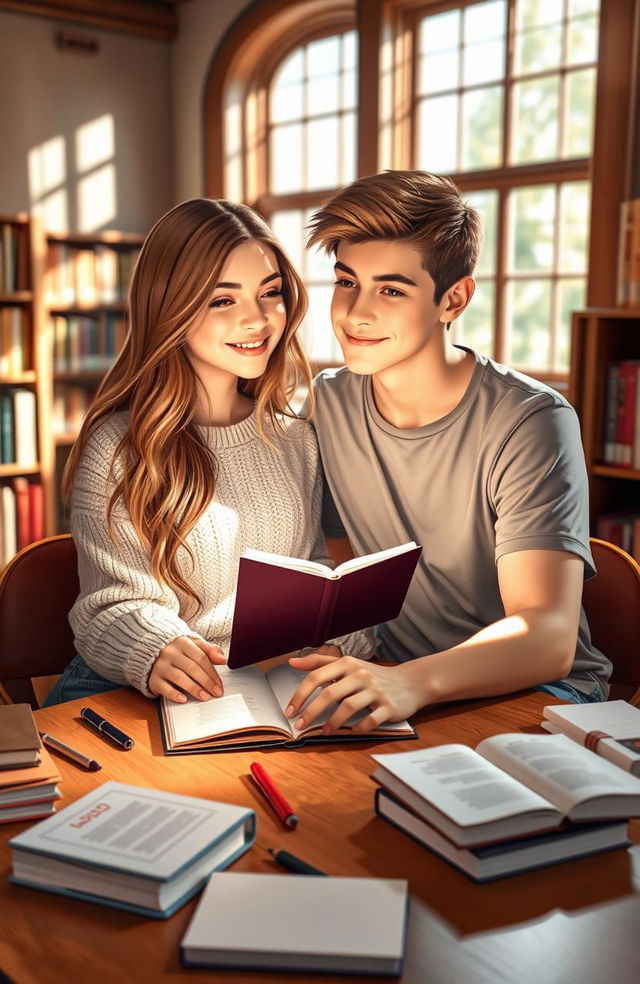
(510, 786)
(19, 739)
(146, 851)
(299, 923)
(250, 714)
(18, 436)
(284, 603)
(621, 443)
(29, 792)
(610, 728)
(621, 528)
(14, 342)
(89, 275)
(510, 857)
(14, 260)
(21, 516)
(86, 343)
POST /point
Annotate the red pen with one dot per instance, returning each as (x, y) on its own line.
(273, 795)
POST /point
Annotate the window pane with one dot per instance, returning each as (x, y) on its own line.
(538, 49)
(322, 153)
(286, 102)
(571, 297)
(323, 57)
(348, 163)
(439, 71)
(349, 89)
(486, 203)
(482, 135)
(578, 7)
(580, 106)
(288, 228)
(583, 40)
(484, 20)
(349, 50)
(440, 32)
(483, 62)
(476, 326)
(319, 340)
(286, 158)
(536, 120)
(532, 214)
(535, 13)
(529, 306)
(323, 95)
(437, 134)
(574, 227)
(291, 69)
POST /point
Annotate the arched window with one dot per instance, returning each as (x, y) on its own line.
(500, 94)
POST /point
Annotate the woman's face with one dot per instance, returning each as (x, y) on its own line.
(246, 316)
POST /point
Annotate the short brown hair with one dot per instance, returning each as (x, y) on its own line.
(422, 210)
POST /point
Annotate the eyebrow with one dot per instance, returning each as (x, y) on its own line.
(399, 277)
(230, 286)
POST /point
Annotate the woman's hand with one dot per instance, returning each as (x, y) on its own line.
(392, 693)
(187, 663)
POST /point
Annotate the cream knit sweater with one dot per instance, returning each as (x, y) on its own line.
(264, 499)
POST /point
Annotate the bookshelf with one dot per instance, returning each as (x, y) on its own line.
(26, 461)
(86, 279)
(601, 336)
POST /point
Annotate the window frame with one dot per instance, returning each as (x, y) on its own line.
(238, 71)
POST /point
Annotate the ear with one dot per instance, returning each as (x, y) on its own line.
(456, 299)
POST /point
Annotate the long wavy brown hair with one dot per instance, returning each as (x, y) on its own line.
(168, 472)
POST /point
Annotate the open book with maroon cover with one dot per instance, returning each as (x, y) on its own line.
(284, 604)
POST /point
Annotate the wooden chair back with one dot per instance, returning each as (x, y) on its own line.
(611, 601)
(37, 589)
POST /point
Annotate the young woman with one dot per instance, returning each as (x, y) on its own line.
(183, 460)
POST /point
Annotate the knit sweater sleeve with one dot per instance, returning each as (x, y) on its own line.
(360, 643)
(123, 616)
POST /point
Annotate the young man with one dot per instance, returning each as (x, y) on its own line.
(427, 441)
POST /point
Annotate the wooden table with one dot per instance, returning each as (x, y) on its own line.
(578, 921)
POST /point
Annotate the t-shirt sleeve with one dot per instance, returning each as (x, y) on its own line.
(538, 487)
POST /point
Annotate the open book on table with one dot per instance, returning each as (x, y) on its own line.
(511, 786)
(610, 728)
(284, 604)
(250, 714)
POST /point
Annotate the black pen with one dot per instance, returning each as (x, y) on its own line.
(294, 864)
(106, 729)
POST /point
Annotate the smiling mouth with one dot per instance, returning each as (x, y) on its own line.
(255, 347)
(359, 340)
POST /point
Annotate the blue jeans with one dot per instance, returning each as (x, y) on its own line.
(78, 680)
(567, 692)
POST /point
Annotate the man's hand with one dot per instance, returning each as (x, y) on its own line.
(392, 693)
(187, 663)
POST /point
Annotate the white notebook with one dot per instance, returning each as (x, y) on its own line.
(299, 922)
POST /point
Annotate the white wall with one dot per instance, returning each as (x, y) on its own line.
(202, 26)
(48, 95)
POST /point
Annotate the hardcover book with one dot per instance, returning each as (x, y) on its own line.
(299, 923)
(250, 714)
(510, 857)
(610, 728)
(138, 849)
(511, 786)
(284, 604)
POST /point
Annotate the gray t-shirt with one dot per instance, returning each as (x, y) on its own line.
(503, 471)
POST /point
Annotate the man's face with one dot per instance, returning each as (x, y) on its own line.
(383, 311)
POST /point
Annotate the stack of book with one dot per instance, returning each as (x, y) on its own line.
(138, 849)
(518, 802)
(28, 777)
(614, 724)
(621, 445)
(21, 516)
